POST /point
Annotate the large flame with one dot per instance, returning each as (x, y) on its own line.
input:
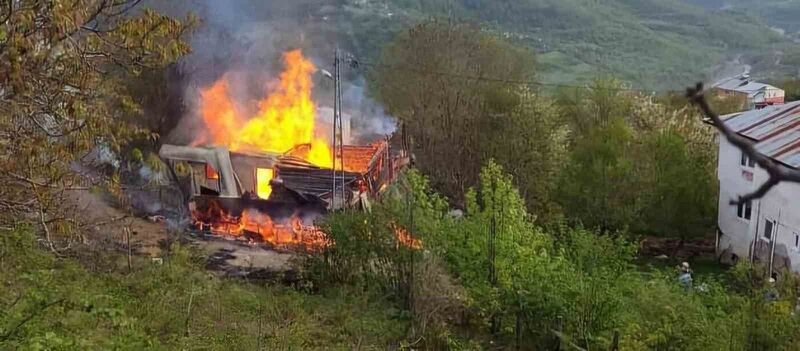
(256, 226)
(285, 117)
(290, 232)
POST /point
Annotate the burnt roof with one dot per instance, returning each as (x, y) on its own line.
(312, 181)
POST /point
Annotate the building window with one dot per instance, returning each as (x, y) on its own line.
(744, 210)
(211, 173)
(747, 161)
(263, 178)
(796, 241)
(769, 228)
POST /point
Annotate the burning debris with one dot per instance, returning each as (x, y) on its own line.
(265, 177)
(255, 226)
(405, 238)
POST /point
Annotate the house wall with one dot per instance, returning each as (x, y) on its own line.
(200, 179)
(245, 168)
(781, 204)
(774, 96)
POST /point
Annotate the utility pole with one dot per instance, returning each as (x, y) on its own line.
(338, 149)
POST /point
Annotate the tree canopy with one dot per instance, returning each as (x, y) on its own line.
(63, 69)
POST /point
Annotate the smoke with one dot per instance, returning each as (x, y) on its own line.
(244, 41)
(369, 118)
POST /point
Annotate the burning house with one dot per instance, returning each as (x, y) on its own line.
(265, 176)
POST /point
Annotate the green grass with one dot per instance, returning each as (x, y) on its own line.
(59, 304)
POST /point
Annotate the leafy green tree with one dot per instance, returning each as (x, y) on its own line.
(599, 187)
(637, 163)
(430, 78)
(63, 66)
(792, 89)
(682, 189)
(530, 144)
(677, 158)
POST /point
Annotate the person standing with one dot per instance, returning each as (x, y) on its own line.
(685, 276)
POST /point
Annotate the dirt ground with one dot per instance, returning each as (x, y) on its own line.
(148, 235)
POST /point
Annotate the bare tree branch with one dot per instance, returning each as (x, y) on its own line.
(777, 172)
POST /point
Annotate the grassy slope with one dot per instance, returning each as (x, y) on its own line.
(653, 44)
(110, 308)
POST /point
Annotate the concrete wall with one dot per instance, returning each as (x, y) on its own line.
(781, 204)
(774, 95)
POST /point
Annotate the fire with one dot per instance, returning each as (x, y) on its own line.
(405, 238)
(285, 117)
(263, 176)
(291, 232)
(254, 225)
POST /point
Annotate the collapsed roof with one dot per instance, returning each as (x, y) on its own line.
(369, 165)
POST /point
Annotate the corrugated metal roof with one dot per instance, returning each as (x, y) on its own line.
(743, 85)
(775, 129)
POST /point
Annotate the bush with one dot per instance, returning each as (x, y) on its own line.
(54, 303)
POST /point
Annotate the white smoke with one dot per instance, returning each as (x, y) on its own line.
(245, 39)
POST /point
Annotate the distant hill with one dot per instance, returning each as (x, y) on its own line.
(783, 14)
(653, 44)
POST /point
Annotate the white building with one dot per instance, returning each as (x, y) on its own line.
(755, 95)
(768, 229)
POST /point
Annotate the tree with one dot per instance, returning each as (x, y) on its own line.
(433, 79)
(792, 89)
(677, 158)
(63, 65)
(682, 188)
(638, 163)
(599, 187)
(530, 144)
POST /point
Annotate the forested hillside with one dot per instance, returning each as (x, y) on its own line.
(778, 13)
(652, 44)
(649, 44)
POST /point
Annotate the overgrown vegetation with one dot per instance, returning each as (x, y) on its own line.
(553, 190)
(534, 287)
(600, 155)
(63, 96)
(50, 303)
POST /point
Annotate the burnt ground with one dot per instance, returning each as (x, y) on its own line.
(150, 236)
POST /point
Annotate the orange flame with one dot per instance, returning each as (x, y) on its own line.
(285, 117)
(405, 238)
(288, 233)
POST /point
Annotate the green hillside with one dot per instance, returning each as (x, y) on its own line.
(783, 14)
(652, 44)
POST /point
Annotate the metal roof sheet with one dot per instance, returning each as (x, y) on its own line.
(743, 85)
(775, 129)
